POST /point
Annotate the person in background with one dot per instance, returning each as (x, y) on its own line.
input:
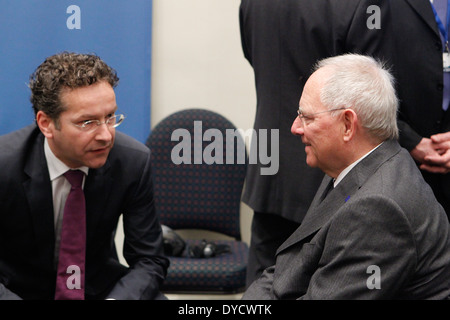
(423, 84)
(76, 118)
(374, 229)
(282, 40)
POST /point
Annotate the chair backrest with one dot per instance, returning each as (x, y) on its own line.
(198, 160)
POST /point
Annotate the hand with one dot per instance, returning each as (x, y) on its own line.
(423, 149)
(439, 161)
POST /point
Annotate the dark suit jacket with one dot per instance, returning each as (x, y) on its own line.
(418, 70)
(381, 215)
(27, 239)
(282, 40)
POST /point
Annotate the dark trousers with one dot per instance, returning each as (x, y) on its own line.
(268, 232)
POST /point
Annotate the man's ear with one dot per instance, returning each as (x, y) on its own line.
(350, 124)
(45, 124)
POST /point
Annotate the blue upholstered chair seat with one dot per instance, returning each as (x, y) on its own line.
(223, 273)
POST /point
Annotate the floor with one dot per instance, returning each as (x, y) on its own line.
(176, 296)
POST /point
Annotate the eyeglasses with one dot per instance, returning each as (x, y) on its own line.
(309, 117)
(91, 125)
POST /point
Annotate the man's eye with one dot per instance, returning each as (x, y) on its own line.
(86, 123)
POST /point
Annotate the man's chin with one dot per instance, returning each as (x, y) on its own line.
(96, 163)
(311, 162)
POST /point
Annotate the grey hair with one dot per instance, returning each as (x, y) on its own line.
(366, 86)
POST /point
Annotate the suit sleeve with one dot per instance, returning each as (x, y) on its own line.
(143, 246)
(369, 253)
(261, 288)
(408, 138)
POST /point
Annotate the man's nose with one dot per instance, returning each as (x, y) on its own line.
(297, 127)
(103, 132)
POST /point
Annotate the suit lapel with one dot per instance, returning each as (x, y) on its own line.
(38, 191)
(423, 9)
(320, 212)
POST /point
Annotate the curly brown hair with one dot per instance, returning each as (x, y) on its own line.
(66, 70)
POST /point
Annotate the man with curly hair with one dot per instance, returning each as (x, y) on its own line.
(76, 115)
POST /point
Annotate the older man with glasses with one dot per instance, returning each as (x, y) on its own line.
(374, 229)
(74, 135)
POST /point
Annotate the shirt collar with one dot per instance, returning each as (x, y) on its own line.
(56, 167)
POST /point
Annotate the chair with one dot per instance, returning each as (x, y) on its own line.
(199, 170)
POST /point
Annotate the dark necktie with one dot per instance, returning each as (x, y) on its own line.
(327, 190)
(72, 250)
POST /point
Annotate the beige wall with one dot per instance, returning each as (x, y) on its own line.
(197, 61)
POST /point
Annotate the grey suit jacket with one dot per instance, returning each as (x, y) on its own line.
(27, 239)
(381, 225)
